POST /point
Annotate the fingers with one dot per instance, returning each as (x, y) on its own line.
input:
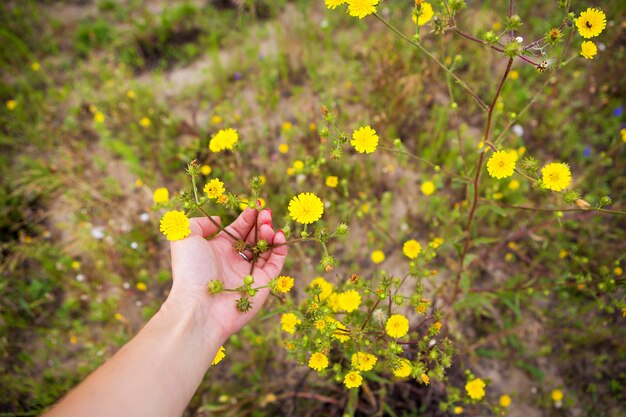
(277, 256)
(203, 226)
(243, 224)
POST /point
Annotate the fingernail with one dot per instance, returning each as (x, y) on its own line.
(270, 210)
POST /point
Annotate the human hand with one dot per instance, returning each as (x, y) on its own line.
(196, 261)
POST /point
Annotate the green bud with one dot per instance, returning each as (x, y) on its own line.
(256, 184)
(398, 300)
(342, 229)
(248, 280)
(513, 48)
(215, 286)
(243, 304)
(490, 37)
(262, 245)
(324, 132)
(605, 201)
(328, 263)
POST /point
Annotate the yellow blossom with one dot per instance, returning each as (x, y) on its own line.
(501, 164)
(223, 139)
(475, 389)
(363, 361)
(397, 326)
(618, 271)
(161, 195)
(131, 94)
(556, 176)
(35, 66)
(216, 119)
(514, 185)
(141, 286)
(411, 249)
(588, 50)
(283, 284)
(425, 379)
(364, 140)
(591, 22)
(221, 353)
(331, 4)
(428, 188)
(404, 369)
(378, 256)
(206, 170)
(318, 361)
(349, 300)
(175, 225)
(426, 13)
(326, 288)
(214, 188)
(306, 208)
(298, 165)
(556, 395)
(98, 117)
(505, 401)
(332, 181)
(289, 321)
(283, 148)
(145, 122)
(11, 105)
(353, 380)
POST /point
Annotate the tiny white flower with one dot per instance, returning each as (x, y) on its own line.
(144, 217)
(518, 130)
(80, 277)
(97, 232)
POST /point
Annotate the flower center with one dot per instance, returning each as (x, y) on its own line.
(588, 24)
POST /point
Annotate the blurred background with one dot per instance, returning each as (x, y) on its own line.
(104, 101)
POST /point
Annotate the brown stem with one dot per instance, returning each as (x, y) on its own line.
(479, 166)
(494, 47)
(216, 224)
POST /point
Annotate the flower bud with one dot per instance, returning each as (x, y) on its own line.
(248, 280)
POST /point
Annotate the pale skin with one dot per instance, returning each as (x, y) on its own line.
(158, 371)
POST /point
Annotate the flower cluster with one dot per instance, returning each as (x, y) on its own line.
(590, 23)
(223, 139)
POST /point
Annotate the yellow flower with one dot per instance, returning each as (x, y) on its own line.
(332, 4)
(404, 369)
(223, 139)
(397, 326)
(378, 256)
(283, 148)
(283, 284)
(332, 181)
(426, 13)
(341, 333)
(363, 361)
(11, 105)
(428, 188)
(131, 94)
(514, 185)
(556, 395)
(288, 322)
(306, 208)
(591, 22)
(216, 119)
(141, 286)
(221, 353)
(556, 176)
(312, 127)
(75, 265)
(206, 170)
(411, 249)
(286, 126)
(298, 165)
(361, 8)
(138, 183)
(349, 300)
(320, 324)
(35, 66)
(145, 122)
(505, 401)
(563, 254)
(475, 388)
(98, 117)
(161, 195)
(501, 165)
(353, 380)
(588, 49)
(458, 410)
(436, 243)
(618, 271)
(364, 140)
(425, 379)
(214, 188)
(623, 134)
(514, 75)
(326, 288)
(175, 225)
(318, 361)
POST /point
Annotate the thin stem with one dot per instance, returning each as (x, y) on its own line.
(569, 209)
(479, 166)
(425, 161)
(216, 224)
(487, 44)
(370, 314)
(480, 102)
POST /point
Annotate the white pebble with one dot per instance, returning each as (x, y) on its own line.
(144, 217)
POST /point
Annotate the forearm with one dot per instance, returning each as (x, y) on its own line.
(155, 374)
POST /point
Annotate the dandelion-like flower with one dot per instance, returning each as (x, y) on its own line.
(326, 288)
(426, 14)
(333, 4)
(221, 353)
(363, 361)
(349, 300)
(591, 22)
(411, 249)
(556, 176)
(223, 139)
(175, 225)
(214, 188)
(475, 388)
(318, 361)
(353, 380)
(428, 188)
(361, 8)
(588, 49)
(161, 195)
(556, 395)
(332, 181)
(364, 140)
(341, 333)
(397, 326)
(404, 369)
(288, 322)
(505, 401)
(377, 256)
(306, 208)
(501, 165)
(283, 284)
(145, 122)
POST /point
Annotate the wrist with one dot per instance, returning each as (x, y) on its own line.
(191, 310)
